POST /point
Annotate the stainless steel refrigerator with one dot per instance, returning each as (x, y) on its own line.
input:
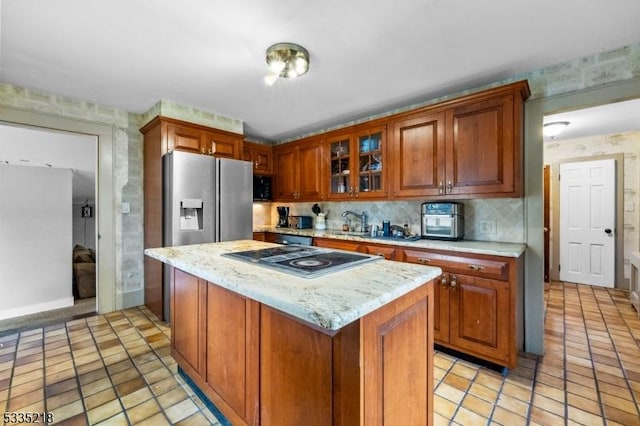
(206, 199)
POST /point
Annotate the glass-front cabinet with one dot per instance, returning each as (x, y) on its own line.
(356, 164)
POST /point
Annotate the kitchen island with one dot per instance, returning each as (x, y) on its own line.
(352, 347)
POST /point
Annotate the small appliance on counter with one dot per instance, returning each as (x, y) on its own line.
(283, 217)
(300, 222)
(443, 220)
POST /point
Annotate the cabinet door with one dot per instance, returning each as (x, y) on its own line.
(480, 148)
(285, 184)
(184, 138)
(260, 155)
(368, 171)
(263, 160)
(479, 317)
(188, 311)
(232, 351)
(221, 145)
(440, 291)
(418, 156)
(441, 309)
(309, 172)
(339, 170)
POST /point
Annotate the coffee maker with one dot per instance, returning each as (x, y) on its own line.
(283, 217)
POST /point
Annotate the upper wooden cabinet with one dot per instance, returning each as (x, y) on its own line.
(182, 136)
(355, 164)
(417, 155)
(467, 147)
(221, 145)
(260, 155)
(299, 171)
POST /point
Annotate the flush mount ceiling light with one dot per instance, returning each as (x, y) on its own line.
(553, 129)
(287, 60)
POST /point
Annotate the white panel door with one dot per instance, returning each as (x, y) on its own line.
(587, 222)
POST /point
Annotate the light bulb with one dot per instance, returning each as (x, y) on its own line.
(271, 78)
(277, 66)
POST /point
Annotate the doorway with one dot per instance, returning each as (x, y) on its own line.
(52, 172)
(105, 266)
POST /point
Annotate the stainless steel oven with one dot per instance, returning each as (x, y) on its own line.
(443, 221)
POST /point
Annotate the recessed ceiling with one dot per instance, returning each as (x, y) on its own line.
(366, 57)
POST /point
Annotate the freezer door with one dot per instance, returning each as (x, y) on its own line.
(189, 198)
(235, 194)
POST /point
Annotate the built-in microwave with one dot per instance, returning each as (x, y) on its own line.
(262, 188)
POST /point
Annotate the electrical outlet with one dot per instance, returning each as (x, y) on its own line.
(488, 227)
(126, 208)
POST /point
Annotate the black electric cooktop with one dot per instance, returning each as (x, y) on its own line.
(303, 261)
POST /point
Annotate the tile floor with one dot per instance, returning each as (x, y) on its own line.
(589, 375)
(117, 369)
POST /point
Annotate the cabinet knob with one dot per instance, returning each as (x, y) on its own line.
(450, 186)
(425, 261)
(441, 187)
(475, 267)
(443, 280)
(454, 282)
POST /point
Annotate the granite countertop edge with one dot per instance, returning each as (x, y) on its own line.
(330, 302)
(493, 248)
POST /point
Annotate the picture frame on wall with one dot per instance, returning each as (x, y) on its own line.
(87, 211)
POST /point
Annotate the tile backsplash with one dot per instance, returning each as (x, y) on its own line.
(496, 219)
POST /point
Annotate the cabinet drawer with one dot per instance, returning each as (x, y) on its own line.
(336, 244)
(387, 252)
(489, 268)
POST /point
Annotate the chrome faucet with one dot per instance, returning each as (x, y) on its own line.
(363, 219)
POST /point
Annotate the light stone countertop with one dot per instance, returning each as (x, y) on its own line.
(464, 246)
(331, 301)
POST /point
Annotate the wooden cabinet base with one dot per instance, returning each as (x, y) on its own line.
(377, 370)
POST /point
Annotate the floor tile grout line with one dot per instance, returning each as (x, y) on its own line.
(593, 366)
(75, 369)
(620, 362)
(15, 355)
(533, 388)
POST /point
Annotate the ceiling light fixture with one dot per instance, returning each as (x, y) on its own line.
(553, 129)
(287, 60)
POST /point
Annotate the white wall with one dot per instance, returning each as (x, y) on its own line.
(35, 240)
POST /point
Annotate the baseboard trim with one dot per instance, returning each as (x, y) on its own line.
(37, 308)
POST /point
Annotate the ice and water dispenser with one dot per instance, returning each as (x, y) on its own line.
(191, 214)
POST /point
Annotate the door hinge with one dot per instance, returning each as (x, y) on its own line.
(558, 268)
(558, 176)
